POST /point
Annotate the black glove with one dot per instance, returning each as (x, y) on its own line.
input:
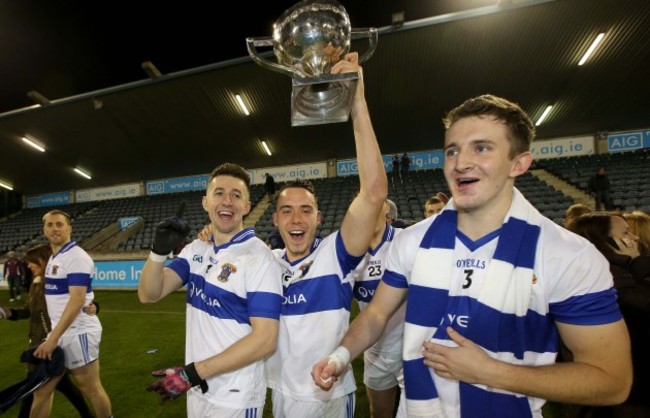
(176, 381)
(170, 233)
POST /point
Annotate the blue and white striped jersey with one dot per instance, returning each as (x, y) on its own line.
(226, 286)
(315, 316)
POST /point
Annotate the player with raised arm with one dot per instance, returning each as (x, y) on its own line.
(318, 276)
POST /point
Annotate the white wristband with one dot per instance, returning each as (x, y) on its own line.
(340, 357)
(157, 257)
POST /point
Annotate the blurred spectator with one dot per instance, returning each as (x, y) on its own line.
(274, 240)
(28, 277)
(13, 273)
(639, 223)
(396, 172)
(611, 235)
(405, 164)
(392, 216)
(269, 186)
(599, 186)
(434, 204)
(574, 211)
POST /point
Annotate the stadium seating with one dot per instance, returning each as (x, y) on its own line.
(629, 173)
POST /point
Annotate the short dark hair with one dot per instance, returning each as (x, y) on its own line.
(58, 212)
(575, 210)
(233, 170)
(522, 129)
(300, 184)
(433, 200)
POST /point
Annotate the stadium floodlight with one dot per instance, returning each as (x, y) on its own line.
(6, 186)
(266, 148)
(33, 143)
(242, 105)
(544, 115)
(82, 173)
(592, 48)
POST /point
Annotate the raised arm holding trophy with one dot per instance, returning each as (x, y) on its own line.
(308, 39)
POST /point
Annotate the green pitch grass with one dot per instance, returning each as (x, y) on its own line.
(131, 331)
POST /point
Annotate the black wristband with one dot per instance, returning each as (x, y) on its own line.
(194, 377)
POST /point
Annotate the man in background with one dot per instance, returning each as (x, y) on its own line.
(599, 187)
(269, 186)
(13, 272)
(434, 204)
(392, 216)
(68, 289)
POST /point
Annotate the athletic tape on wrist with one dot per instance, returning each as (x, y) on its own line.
(340, 357)
(157, 257)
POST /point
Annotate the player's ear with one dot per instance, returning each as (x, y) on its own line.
(521, 164)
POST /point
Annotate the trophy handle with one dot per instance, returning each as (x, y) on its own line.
(372, 35)
(267, 41)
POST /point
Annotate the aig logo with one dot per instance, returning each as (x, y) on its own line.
(626, 141)
(155, 187)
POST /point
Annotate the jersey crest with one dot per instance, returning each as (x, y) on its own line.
(226, 270)
(304, 269)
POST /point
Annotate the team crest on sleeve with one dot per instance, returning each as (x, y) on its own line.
(226, 270)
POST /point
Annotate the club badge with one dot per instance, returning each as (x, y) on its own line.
(226, 270)
(304, 269)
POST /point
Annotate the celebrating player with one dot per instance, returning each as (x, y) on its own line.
(234, 299)
(492, 287)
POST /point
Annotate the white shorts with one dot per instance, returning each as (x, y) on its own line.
(285, 407)
(80, 349)
(199, 407)
(382, 371)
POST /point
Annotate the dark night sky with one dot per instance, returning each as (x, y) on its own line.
(64, 48)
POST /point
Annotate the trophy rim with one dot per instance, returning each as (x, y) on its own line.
(303, 49)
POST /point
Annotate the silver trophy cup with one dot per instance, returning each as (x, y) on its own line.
(308, 39)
